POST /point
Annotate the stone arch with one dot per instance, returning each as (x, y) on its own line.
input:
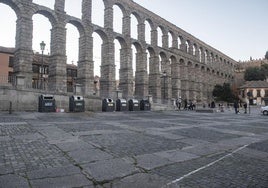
(189, 64)
(148, 25)
(134, 28)
(11, 28)
(180, 42)
(119, 7)
(151, 62)
(151, 51)
(138, 46)
(48, 14)
(14, 6)
(123, 61)
(170, 39)
(98, 55)
(164, 59)
(181, 61)
(195, 49)
(212, 57)
(161, 40)
(206, 56)
(122, 41)
(137, 16)
(188, 46)
(175, 78)
(102, 34)
(201, 54)
(78, 25)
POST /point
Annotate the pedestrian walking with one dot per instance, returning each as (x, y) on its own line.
(178, 103)
(236, 107)
(245, 107)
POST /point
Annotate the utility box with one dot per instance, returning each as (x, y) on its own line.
(46, 103)
(133, 105)
(121, 105)
(76, 104)
(108, 105)
(145, 105)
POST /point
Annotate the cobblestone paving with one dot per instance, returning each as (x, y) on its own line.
(203, 134)
(23, 156)
(133, 149)
(132, 144)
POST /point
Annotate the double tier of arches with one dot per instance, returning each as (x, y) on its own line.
(192, 68)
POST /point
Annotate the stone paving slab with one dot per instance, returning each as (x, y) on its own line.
(75, 180)
(106, 170)
(151, 161)
(139, 180)
(88, 155)
(53, 172)
(176, 155)
(13, 181)
(74, 146)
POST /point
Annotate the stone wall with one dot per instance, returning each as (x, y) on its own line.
(27, 100)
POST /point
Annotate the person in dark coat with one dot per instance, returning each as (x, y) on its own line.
(236, 106)
(245, 107)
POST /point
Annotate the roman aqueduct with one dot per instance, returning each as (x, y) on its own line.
(192, 67)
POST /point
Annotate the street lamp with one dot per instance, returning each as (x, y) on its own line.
(42, 47)
(164, 75)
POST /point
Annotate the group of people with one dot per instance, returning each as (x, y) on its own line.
(239, 104)
(186, 105)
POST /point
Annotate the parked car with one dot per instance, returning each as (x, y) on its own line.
(264, 110)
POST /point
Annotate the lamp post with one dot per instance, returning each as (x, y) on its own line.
(42, 47)
(164, 75)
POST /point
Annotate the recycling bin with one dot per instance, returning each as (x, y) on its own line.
(145, 105)
(121, 105)
(46, 103)
(108, 105)
(133, 105)
(76, 104)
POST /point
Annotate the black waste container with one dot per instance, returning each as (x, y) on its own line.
(76, 104)
(145, 105)
(46, 103)
(133, 105)
(108, 105)
(121, 105)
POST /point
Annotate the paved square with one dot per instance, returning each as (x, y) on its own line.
(133, 149)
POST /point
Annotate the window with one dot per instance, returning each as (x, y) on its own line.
(11, 61)
(35, 68)
(266, 93)
(258, 93)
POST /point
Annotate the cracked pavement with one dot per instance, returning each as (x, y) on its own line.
(133, 149)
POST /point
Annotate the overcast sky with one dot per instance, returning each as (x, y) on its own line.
(238, 28)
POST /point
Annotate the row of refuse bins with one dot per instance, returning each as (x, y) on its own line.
(47, 103)
(108, 105)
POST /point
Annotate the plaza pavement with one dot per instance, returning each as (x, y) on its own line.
(133, 149)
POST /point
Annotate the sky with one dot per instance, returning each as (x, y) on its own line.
(237, 28)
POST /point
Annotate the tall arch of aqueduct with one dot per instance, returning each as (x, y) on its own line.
(192, 66)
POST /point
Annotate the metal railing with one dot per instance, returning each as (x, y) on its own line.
(6, 80)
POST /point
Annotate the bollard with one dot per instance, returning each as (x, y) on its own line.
(10, 107)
